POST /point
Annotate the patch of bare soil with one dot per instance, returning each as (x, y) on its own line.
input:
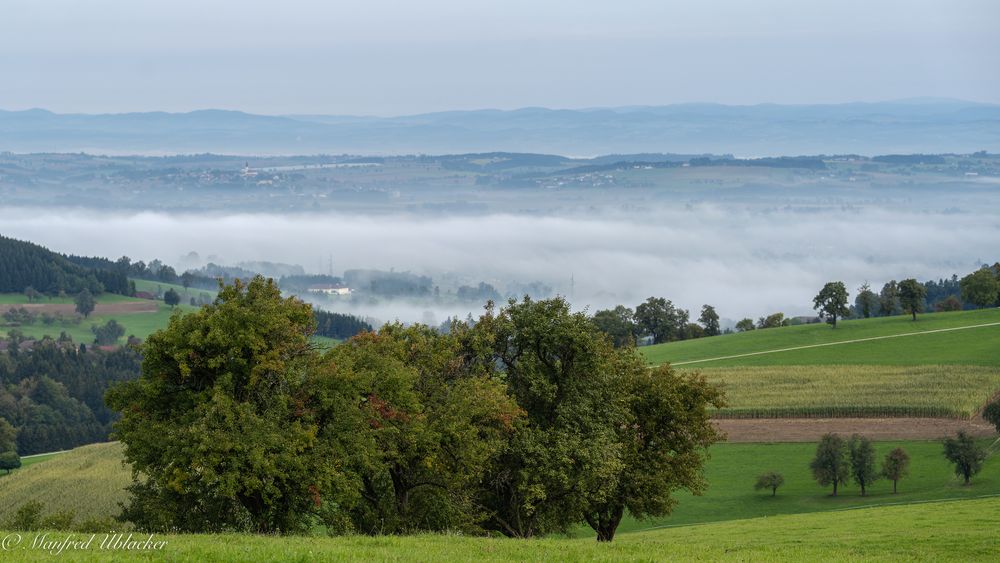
(124, 308)
(811, 429)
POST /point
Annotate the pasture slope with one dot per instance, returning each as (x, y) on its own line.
(944, 365)
(943, 531)
(90, 481)
(965, 346)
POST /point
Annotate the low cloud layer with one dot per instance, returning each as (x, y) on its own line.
(746, 263)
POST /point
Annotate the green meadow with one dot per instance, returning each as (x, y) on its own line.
(90, 481)
(942, 531)
(972, 346)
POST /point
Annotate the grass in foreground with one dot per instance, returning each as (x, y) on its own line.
(978, 346)
(91, 481)
(850, 390)
(950, 531)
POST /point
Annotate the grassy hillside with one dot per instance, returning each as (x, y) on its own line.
(854, 390)
(89, 480)
(950, 531)
(976, 346)
(733, 469)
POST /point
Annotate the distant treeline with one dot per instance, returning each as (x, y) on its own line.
(24, 264)
(338, 325)
(53, 395)
(810, 162)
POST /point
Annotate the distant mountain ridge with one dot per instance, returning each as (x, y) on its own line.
(904, 126)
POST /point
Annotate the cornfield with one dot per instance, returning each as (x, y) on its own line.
(855, 391)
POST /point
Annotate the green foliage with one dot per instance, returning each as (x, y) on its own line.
(171, 297)
(831, 302)
(745, 325)
(981, 288)
(565, 454)
(225, 425)
(428, 425)
(9, 460)
(108, 333)
(774, 320)
(54, 395)
(895, 466)
(770, 480)
(61, 520)
(664, 444)
(24, 266)
(831, 465)
(991, 414)
(966, 454)
(85, 303)
(866, 303)
(8, 436)
(28, 517)
(862, 455)
(617, 323)
(660, 319)
(709, 319)
(911, 296)
(888, 300)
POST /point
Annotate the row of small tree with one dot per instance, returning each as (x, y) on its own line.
(838, 462)
(980, 288)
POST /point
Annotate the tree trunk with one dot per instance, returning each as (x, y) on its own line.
(894, 486)
(862, 489)
(605, 523)
(914, 314)
(835, 488)
(774, 491)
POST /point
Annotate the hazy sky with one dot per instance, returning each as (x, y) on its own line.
(390, 57)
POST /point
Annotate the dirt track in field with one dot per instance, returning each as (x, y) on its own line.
(126, 308)
(811, 429)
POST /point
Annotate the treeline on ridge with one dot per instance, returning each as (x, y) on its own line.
(24, 264)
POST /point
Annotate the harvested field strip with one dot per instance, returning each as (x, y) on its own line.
(854, 391)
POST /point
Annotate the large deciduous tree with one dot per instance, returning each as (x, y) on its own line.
(981, 288)
(664, 442)
(658, 318)
(601, 433)
(831, 466)
(617, 323)
(866, 302)
(227, 428)
(709, 319)
(911, 296)
(888, 300)
(831, 302)
(966, 454)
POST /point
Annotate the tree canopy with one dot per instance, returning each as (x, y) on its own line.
(831, 302)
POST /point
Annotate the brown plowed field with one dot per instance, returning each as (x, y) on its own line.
(810, 429)
(125, 308)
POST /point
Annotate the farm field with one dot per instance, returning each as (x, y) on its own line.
(973, 346)
(945, 531)
(854, 390)
(91, 481)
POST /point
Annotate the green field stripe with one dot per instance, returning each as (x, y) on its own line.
(854, 341)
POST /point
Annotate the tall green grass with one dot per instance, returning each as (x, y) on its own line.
(854, 391)
(947, 531)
